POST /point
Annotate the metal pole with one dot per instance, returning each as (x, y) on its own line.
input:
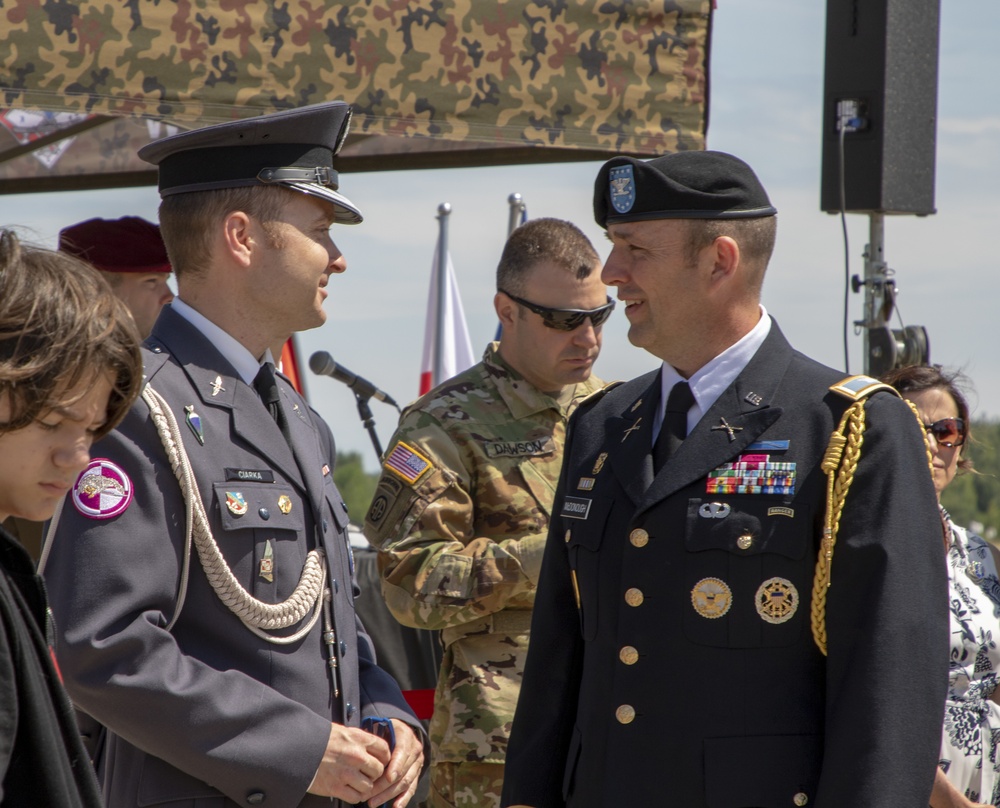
(875, 289)
(444, 211)
(517, 208)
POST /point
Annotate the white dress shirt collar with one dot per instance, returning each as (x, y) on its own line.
(236, 354)
(709, 382)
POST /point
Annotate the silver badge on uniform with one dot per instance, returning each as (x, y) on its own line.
(777, 600)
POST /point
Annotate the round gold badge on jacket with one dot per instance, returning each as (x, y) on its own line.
(777, 600)
(711, 598)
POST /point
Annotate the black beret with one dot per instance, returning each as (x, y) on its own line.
(683, 185)
(293, 148)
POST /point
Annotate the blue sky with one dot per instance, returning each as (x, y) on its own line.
(766, 104)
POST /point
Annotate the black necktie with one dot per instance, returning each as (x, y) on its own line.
(267, 388)
(674, 428)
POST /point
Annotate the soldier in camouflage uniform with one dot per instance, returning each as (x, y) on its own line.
(462, 508)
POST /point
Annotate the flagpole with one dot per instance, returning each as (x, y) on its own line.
(517, 208)
(444, 212)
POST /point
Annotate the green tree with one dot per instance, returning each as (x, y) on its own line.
(356, 486)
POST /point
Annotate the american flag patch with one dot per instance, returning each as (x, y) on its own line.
(407, 462)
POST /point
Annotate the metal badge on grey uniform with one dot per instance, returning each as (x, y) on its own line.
(194, 421)
(576, 507)
(217, 387)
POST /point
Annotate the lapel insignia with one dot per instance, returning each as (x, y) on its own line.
(285, 504)
(599, 463)
(236, 503)
(267, 563)
(632, 428)
(752, 474)
(586, 484)
(326, 470)
(777, 600)
(636, 405)
(217, 387)
(730, 430)
(753, 398)
(194, 421)
(711, 598)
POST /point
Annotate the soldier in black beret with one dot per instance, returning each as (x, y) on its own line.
(201, 572)
(715, 624)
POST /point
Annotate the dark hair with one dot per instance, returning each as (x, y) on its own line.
(536, 240)
(918, 378)
(60, 325)
(188, 221)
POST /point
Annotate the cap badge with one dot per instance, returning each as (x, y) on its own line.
(621, 184)
(102, 490)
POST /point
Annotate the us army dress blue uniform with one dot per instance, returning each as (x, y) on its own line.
(207, 713)
(672, 661)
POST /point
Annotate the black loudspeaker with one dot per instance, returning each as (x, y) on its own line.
(880, 86)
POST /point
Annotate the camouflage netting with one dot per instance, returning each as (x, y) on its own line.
(596, 75)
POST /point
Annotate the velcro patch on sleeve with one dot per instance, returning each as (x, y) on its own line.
(407, 463)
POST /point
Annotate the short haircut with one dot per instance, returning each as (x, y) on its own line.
(756, 238)
(188, 221)
(919, 378)
(555, 240)
(60, 326)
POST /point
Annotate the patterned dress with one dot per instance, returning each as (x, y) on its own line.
(971, 720)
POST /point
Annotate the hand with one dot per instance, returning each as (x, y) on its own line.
(353, 761)
(399, 781)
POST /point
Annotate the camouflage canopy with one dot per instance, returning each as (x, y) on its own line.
(85, 83)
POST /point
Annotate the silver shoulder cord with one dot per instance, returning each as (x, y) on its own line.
(256, 615)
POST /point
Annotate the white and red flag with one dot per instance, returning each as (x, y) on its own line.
(447, 348)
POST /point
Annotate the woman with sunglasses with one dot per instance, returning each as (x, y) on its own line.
(70, 368)
(969, 767)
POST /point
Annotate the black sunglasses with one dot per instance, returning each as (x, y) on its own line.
(947, 432)
(567, 319)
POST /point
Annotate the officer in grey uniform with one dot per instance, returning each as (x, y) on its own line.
(201, 573)
(715, 626)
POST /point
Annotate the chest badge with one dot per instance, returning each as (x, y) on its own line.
(777, 600)
(715, 510)
(194, 422)
(285, 504)
(711, 598)
(235, 502)
(586, 483)
(267, 563)
(599, 463)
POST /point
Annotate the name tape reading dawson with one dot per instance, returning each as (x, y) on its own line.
(520, 448)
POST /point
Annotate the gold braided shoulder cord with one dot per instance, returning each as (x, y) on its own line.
(839, 467)
(259, 617)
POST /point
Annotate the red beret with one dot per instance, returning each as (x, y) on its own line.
(129, 244)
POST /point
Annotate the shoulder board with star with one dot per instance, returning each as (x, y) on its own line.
(856, 388)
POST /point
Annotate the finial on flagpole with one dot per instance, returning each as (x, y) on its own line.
(444, 209)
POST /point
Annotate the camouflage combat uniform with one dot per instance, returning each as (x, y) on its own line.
(460, 518)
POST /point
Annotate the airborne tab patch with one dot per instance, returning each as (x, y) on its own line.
(407, 463)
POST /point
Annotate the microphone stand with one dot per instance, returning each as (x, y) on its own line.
(368, 420)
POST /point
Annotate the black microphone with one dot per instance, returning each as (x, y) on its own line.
(322, 364)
